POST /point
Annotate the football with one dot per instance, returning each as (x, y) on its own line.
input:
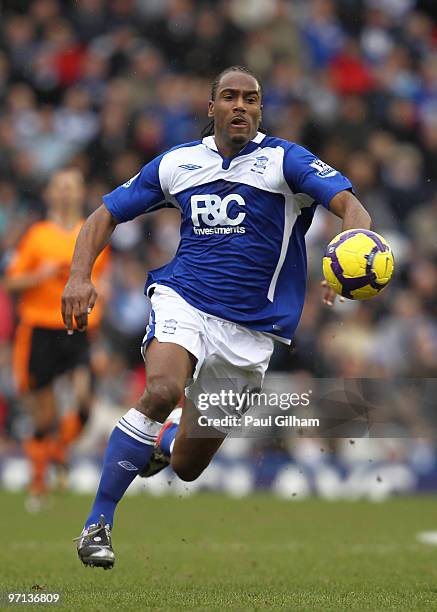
(358, 264)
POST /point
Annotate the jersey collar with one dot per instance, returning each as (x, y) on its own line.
(209, 142)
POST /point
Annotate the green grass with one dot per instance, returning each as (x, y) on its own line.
(212, 553)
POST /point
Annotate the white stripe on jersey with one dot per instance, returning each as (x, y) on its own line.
(289, 221)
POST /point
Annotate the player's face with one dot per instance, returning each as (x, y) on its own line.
(236, 109)
(66, 190)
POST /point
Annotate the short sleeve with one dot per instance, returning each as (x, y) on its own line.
(306, 173)
(140, 194)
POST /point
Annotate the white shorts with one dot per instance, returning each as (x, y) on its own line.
(229, 356)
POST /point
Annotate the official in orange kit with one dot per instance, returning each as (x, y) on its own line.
(38, 271)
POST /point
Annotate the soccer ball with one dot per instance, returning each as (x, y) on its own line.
(358, 264)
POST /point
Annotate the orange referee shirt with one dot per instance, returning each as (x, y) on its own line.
(44, 243)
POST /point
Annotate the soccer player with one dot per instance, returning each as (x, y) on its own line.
(236, 283)
(38, 272)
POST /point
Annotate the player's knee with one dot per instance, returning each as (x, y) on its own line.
(160, 397)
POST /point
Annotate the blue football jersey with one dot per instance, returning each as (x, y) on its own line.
(242, 252)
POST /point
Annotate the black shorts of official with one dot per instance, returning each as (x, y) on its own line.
(52, 352)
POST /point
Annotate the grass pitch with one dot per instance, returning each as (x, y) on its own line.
(209, 552)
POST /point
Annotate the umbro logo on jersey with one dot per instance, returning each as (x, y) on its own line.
(190, 167)
(127, 465)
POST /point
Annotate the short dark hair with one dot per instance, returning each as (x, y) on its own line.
(208, 130)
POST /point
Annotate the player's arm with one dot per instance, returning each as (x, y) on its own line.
(80, 294)
(141, 194)
(346, 206)
(305, 173)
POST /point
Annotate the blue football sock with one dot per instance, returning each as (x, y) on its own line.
(129, 448)
(168, 437)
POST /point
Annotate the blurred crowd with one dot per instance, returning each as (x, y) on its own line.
(106, 85)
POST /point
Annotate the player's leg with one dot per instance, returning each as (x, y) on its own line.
(75, 362)
(173, 348)
(160, 457)
(42, 407)
(132, 442)
(194, 446)
(33, 366)
(77, 369)
(71, 424)
(237, 361)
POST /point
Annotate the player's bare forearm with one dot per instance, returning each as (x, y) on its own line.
(92, 239)
(346, 206)
(80, 294)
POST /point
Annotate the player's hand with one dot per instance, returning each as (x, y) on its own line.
(329, 295)
(78, 300)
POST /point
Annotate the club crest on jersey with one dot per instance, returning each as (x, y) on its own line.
(324, 170)
(213, 211)
(260, 164)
